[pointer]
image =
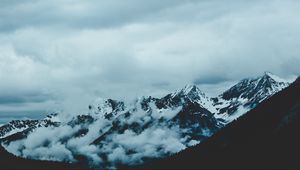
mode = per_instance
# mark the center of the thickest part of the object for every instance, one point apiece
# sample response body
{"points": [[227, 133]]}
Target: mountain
{"points": [[113, 132], [160, 127], [190, 93], [19, 129], [182, 108], [9, 161], [246, 95], [17, 126], [267, 137]]}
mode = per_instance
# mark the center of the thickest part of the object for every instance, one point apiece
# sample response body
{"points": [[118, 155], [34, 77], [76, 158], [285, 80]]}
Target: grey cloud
{"points": [[211, 80], [27, 98], [18, 114], [161, 84], [78, 14], [76, 51], [7, 116]]}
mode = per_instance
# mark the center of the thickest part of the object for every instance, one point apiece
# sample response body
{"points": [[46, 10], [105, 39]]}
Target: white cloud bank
{"points": [[159, 138]]}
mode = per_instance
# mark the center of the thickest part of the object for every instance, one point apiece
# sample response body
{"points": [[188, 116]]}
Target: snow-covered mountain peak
{"points": [[251, 87], [102, 106], [185, 96], [106, 108], [246, 94], [270, 83], [275, 78], [190, 91]]}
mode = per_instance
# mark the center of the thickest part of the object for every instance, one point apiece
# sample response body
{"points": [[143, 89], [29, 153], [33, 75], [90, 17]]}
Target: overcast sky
{"points": [[62, 54]]}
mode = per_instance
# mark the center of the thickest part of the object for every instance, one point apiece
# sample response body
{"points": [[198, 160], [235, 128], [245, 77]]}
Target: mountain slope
{"points": [[266, 137], [246, 95], [9, 161], [19, 126], [16, 126]]}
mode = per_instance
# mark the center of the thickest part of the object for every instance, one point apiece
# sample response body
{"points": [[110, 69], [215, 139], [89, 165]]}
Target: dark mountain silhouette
{"points": [[266, 137], [11, 162]]}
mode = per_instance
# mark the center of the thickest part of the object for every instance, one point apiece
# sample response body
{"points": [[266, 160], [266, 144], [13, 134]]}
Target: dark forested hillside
{"points": [[9, 161], [266, 137]]}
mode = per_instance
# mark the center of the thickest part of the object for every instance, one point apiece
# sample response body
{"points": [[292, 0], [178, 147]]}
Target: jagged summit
{"points": [[190, 91], [187, 95], [106, 107], [256, 87], [246, 94], [274, 77]]}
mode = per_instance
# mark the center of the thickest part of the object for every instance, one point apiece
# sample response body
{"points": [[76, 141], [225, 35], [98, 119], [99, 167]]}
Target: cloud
{"points": [[78, 14], [155, 138], [150, 143], [56, 152], [75, 52], [45, 144], [24, 99]]}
